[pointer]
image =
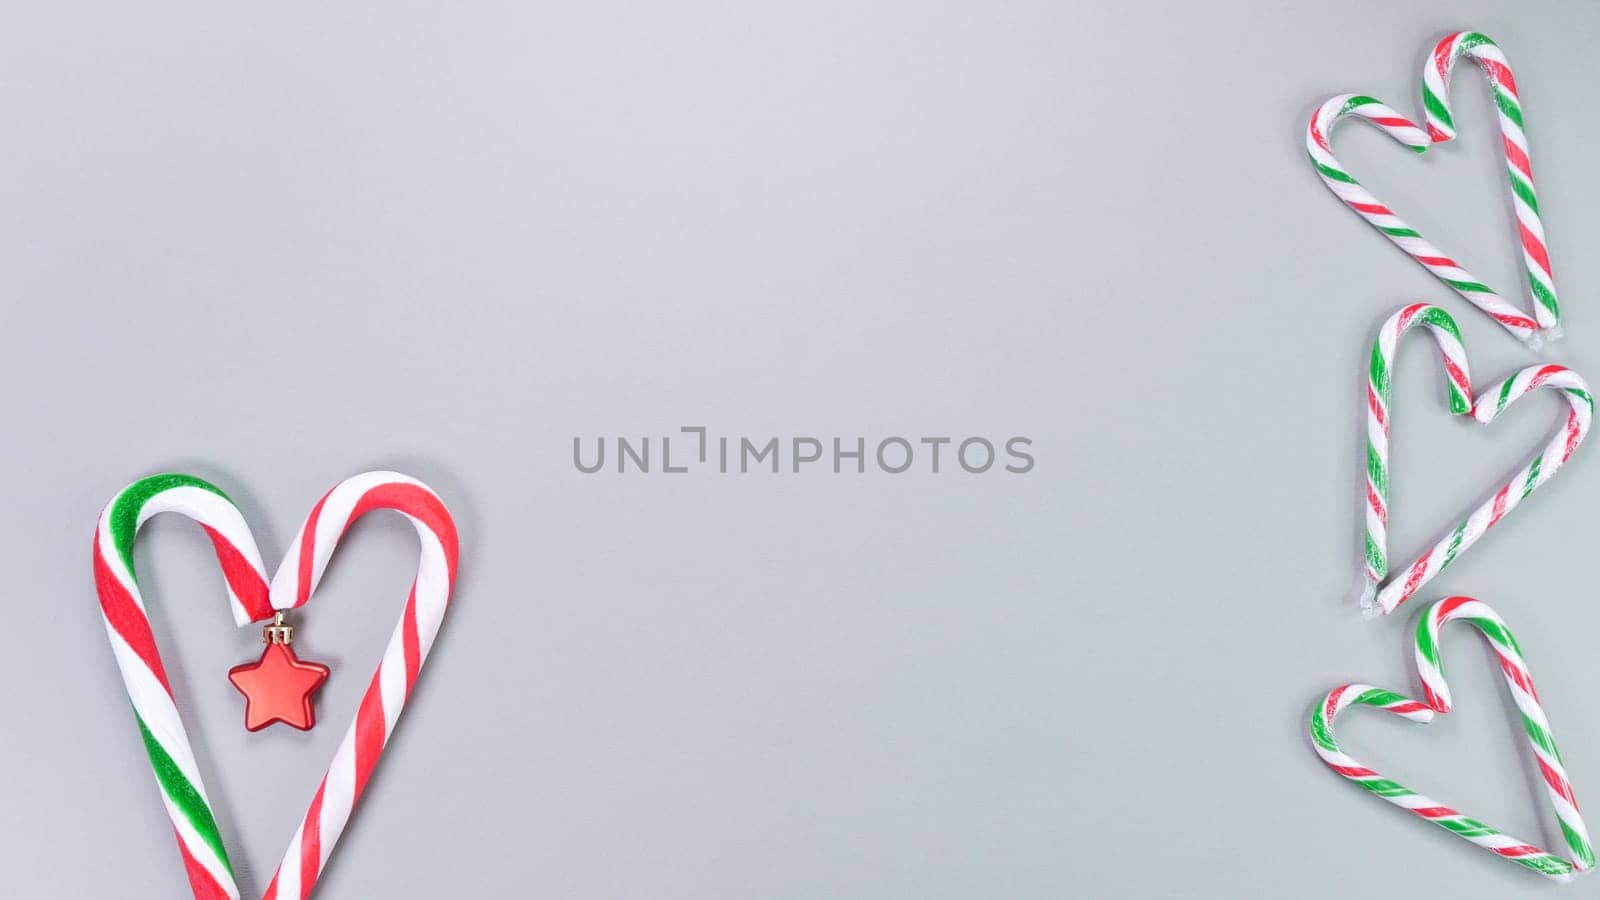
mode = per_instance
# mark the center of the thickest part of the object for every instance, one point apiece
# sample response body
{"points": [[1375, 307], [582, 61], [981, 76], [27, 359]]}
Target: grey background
{"points": [[278, 246]]}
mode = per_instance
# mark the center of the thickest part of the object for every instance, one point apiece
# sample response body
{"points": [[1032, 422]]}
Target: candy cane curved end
{"points": [[1496, 399], [1369, 109], [1481, 50], [313, 546], [1341, 698], [244, 575]]}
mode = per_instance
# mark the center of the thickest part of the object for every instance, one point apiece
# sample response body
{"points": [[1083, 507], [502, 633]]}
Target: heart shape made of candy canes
{"points": [[1380, 597], [1546, 318], [252, 599], [1436, 694]]}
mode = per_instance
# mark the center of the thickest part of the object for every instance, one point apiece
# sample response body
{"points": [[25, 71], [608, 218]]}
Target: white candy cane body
{"points": [[1442, 328], [1535, 726], [363, 743], [1539, 469], [133, 643]]}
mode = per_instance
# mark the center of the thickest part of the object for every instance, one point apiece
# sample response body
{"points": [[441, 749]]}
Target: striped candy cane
{"points": [[1519, 170], [132, 641], [1345, 186], [1445, 333], [1536, 472], [397, 673], [1535, 724]]}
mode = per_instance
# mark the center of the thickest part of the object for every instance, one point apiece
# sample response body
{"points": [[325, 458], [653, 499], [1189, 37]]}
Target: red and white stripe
{"points": [[397, 673]]}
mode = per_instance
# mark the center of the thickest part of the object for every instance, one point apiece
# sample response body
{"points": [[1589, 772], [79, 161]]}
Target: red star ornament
{"points": [[278, 688]]}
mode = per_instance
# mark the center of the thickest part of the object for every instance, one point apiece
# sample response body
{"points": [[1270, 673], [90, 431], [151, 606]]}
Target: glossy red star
{"points": [[278, 688]]}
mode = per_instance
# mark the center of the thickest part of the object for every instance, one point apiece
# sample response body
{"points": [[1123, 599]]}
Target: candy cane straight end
{"points": [[1368, 602]]}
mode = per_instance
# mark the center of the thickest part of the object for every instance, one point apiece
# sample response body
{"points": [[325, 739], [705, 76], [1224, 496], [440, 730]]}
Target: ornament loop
{"points": [[277, 632]]}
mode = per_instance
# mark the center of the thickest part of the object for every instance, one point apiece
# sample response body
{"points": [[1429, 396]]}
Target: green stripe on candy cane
{"points": [[183, 794], [124, 510]]}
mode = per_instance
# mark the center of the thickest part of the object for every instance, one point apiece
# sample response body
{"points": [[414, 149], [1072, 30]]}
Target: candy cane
{"points": [[1441, 128], [408, 648], [1534, 721], [1536, 472], [132, 641], [1445, 333], [1535, 724], [1435, 84]]}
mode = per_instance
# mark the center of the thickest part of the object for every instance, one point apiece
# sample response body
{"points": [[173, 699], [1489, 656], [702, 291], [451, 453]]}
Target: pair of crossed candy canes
{"points": [[1546, 318], [1436, 699], [1380, 597], [252, 599]]}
